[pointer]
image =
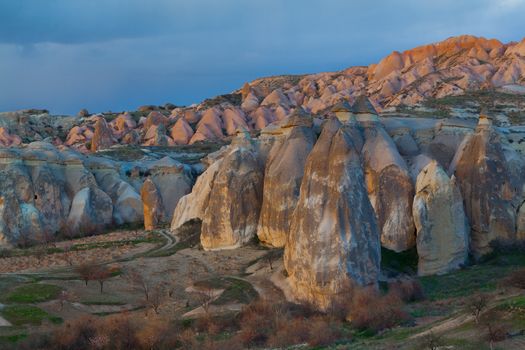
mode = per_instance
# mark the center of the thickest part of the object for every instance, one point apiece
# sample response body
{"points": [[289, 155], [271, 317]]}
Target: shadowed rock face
{"points": [[491, 186], [334, 237], [91, 210], [232, 214], [193, 205], [442, 230], [390, 189], [282, 181]]}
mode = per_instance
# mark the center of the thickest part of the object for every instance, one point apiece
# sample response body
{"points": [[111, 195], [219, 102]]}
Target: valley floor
{"points": [[41, 287]]}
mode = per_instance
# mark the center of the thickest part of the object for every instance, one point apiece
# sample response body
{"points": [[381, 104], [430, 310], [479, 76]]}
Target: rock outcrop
{"points": [[491, 184], [153, 208], [442, 229], [91, 211], [102, 137], [282, 179], [389, 187], [232, 214], [334, 238], [173, 181]]}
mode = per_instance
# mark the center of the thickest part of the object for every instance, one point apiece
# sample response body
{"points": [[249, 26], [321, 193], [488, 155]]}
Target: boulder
{"points": [[181, 132], [102, 137], [334, 239], [441, 224], [155, 118], [282, 181], [250, 103], [234, 119], [156, 136], [152, 202], [7, 140]]}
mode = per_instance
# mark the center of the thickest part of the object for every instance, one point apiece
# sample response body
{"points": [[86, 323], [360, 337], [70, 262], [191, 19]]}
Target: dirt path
{"points": [[170, 240]]}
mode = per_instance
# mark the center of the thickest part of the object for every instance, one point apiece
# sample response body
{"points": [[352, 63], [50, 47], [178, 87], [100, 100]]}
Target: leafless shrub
{"points": [[432, 341], [101, 274], [373, 311], [409, 290], [139, 281], [86, 271], [496, 332], [477, 304]]}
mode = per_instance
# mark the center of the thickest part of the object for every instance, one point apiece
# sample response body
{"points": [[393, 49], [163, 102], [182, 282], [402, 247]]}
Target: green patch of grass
{"points": [[483, 277], [103, 314], [461, 283], [238, 291], [426, 310], [12, 338], [27, 314], [9, 282], [33, 293], [515, 303], [466, 344], [235, 290]]}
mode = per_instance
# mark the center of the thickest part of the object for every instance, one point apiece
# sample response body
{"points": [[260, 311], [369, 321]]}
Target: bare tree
{"points": [[139, 281], [476, 304], [101, 274], [495, 333], [157, 297], [207, 295], [86, 271], [68, 253], [273, 256], [432, 341]]}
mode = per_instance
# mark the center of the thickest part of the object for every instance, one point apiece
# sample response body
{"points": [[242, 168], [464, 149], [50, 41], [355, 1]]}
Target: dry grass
{"points": [[372, 311]]}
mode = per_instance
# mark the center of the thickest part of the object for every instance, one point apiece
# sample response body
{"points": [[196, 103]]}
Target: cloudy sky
{"points": [[103, 55]]}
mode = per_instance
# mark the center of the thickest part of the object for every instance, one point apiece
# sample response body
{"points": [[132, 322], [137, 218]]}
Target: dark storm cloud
{"points": [[118, 54]]}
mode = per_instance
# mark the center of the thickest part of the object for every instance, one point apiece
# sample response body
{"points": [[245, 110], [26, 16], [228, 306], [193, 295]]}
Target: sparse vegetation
{"points": [[477, 304], [26, 314], [34, 293]]}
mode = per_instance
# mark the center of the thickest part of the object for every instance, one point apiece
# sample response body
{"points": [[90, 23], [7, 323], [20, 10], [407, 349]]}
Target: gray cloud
{"points": [[118, 54]]}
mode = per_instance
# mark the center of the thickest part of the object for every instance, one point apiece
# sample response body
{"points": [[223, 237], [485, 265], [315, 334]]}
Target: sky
{"points": [[115, 55]]}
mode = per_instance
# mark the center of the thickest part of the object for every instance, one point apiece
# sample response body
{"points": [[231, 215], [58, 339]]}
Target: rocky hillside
{"points": [[334, 167], [449, 78]]}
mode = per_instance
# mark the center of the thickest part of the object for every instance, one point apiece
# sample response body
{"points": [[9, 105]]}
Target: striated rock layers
{"points": [[47, 191], [491, 180], [227, 197], [442, 230], [91, 210], [390, 188], [334, 237], [233, 209], [282, 179]]}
